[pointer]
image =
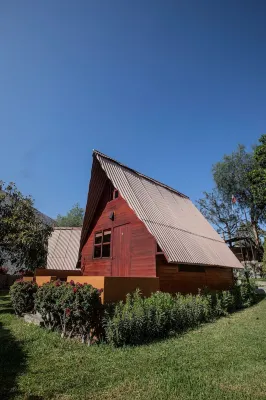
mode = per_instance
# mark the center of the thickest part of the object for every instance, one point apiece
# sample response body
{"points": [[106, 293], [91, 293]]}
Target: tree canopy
{"points": [[258, 177], [23, 234], [241, 177], [232, 178], [218, 210], [74, 217]]}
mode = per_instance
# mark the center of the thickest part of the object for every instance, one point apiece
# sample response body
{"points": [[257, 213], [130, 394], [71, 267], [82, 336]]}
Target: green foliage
{"points": [[74, 309], [237, 175], [264, 259], [231, 176], [22, 296], [258, 177], [74, 217], [141, 320], [23, 234]]}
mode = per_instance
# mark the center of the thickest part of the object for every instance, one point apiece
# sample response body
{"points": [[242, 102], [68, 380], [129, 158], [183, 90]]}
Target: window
{"points": [[115, 194], [102, 244], [191, 268]]}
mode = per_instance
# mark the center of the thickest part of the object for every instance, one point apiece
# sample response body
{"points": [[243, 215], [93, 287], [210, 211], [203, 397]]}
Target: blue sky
{"points": [[166, 87]]}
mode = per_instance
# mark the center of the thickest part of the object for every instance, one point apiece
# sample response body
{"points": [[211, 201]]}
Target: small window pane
{"points": [[116, 194], [97, 252], [106, 250], [98, 238], [191, 268], [107, 236]]}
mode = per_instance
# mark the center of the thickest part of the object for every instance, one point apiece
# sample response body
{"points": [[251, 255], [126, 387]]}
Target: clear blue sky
{"points": [[166, 87]]}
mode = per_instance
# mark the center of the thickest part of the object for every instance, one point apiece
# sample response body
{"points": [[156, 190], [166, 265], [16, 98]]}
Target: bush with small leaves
{"points": [[22, 296], [141, 320]]}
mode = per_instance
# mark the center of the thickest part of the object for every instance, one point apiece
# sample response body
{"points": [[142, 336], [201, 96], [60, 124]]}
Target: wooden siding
{"points": [[140, 260], [172, 280], [219, 278], [59, 273], [121, 250]]}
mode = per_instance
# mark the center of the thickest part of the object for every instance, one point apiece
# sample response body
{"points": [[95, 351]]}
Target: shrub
{"points": [[140, 320], [22, 296], [74, 309]]}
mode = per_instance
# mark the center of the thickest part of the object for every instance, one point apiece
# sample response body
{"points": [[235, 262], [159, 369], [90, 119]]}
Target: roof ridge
{"points": [[96, 152]]}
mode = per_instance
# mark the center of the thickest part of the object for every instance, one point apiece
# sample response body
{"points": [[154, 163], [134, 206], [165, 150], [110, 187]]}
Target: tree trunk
{"points": [[255, 231], [229, 236], [254, 225]]}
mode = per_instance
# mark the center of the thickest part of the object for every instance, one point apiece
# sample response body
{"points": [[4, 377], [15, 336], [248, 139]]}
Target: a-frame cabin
{"points": [[135, 226]]}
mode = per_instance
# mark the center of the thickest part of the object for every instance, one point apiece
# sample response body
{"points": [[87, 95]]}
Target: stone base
{"points": [[35, 319]]}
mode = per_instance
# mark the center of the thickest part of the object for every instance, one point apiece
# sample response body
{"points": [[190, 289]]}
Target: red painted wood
{"points": [[121, 250], [172, 280], [141, 244]]}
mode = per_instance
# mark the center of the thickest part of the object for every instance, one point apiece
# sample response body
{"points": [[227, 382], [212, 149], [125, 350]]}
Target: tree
{"points": [[220, 213], [74, 217], [258, 177], [232, 178], [264, 259], [23, 234]]}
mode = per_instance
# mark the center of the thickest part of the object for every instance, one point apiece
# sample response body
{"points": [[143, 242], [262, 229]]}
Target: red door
{"points": [[121, 251]]}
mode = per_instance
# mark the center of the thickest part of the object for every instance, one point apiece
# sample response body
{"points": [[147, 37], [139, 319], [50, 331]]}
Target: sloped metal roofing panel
{"points": [[63, 248], [179, 228], [96, 187]]}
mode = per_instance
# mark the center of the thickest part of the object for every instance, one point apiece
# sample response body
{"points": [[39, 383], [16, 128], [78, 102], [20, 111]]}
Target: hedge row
{"points": [[141, 320], [76, 310]]}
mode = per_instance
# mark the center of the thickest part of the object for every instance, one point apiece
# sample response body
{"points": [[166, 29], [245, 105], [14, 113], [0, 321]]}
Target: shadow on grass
{"points": [[12, 363], [5, 303], [12, 357]]}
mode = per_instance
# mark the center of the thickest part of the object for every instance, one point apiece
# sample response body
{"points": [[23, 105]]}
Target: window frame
{"points": [[100, 245], [158, 250], [115, 192], [190, 268]]}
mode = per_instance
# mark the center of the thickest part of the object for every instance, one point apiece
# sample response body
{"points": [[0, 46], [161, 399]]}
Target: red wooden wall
{"points": [[139, 258], [173, 280]]}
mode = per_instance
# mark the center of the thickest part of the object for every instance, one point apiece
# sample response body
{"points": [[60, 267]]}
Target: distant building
{"points": [[63, 249], [245, 249]]}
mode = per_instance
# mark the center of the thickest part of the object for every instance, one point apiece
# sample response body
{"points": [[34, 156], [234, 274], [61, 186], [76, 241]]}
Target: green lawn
{"points": [[222, 360]]}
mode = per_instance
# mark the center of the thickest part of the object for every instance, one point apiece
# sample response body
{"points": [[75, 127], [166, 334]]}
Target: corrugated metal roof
{"points": [[63, 248], [179, 228], [96, 187]]}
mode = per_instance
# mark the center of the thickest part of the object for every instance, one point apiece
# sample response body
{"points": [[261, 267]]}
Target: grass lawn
{"points": [[261, 281], [222, 360]]}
